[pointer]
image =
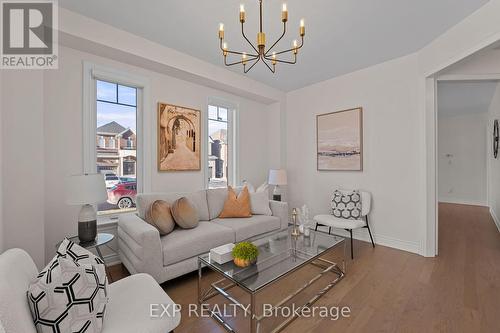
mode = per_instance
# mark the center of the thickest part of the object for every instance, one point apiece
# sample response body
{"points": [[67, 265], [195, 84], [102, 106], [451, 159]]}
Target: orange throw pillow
{"points": [[236, 206]]}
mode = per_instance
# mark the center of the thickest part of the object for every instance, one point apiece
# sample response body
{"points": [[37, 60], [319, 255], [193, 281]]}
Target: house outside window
{"points": [[221, 148]]}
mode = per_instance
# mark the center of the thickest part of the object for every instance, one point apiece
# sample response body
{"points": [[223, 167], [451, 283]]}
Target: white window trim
{"points": [[92, 72], [233, 137]]}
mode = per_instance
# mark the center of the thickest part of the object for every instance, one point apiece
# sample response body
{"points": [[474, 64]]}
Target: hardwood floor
{"points": [[389, 290]]}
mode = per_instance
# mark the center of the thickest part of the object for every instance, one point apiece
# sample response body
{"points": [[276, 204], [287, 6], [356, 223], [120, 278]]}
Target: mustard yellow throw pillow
{"points": [[236, 206]]}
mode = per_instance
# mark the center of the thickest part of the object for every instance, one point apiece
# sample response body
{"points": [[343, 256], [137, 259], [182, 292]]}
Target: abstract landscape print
{"points": [[340, 140], [178, 138]]}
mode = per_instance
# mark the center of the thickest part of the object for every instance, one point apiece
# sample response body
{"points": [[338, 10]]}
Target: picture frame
{"points": [[178, 138], [339, 140]]}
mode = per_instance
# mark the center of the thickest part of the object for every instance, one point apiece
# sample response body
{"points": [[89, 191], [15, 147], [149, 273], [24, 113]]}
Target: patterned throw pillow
{"points": [[70, 293], [346, 205]]}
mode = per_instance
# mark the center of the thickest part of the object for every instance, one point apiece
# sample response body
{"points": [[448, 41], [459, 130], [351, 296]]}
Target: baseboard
{"points": [[463, 202], [112, 259], [495, 218], [362, 235]]}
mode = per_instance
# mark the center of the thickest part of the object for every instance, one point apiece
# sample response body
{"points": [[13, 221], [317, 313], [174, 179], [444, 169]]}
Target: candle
{"points": [[224, 47], [284, 13], [302, 27], [221, 30], [295, 46], [242, 13]]}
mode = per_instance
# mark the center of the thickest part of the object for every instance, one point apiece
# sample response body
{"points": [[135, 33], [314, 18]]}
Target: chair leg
{"points": [[316, 229], [329, 230], [352, 253], [369, 231]]}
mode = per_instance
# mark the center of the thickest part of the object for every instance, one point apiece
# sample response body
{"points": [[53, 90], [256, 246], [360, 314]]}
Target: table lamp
{"points": [[86, 190], [277, 177]]}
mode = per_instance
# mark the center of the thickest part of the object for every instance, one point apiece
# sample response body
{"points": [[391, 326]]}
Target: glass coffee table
{"points": [[280, 256]]}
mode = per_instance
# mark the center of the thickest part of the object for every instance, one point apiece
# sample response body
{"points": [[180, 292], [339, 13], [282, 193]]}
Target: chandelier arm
{"points": [[284, 61], [249, 68], [282, 35], [238, 62], [244, 36], [267, 65], [236, 52], [293, 48]]}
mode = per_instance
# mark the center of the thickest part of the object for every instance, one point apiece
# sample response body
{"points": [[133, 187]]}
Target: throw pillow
{"points": [[184, 214], [260, 203], [346, 205], [236, 206], [160, 217], [70, 294]]}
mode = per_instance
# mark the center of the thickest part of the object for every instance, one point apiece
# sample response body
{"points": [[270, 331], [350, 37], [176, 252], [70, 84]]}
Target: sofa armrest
{"points": [[280, 209], [139, 242]]}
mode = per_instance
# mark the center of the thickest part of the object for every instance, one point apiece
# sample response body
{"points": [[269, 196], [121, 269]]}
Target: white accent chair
{"points": [[128, 309], [347, 224]]}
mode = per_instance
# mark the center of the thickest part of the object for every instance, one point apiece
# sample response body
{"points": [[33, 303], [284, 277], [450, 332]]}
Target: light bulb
{"points": [[284, 8], [224, 46], [302, 23], [244, 56], [221, 27], [274, 55], [295, 43], [242, 8]]}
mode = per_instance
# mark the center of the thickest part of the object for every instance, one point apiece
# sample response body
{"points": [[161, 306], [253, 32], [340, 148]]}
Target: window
{"points": [[221, 161], [116, 126]]}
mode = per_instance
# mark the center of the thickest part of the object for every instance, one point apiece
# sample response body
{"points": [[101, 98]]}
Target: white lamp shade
{"points": [[86, 189], [277, 177]]}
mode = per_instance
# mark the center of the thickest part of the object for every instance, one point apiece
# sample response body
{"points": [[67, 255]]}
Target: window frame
{"points": [[93, 72], [233, 139]]}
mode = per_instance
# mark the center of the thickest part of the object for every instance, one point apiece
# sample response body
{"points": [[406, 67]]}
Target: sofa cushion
{"points": [[198, 199], [236, 205], [182, 244], [129, 307], [216, 198], [160, 217], [250, 227], [185, 215]]}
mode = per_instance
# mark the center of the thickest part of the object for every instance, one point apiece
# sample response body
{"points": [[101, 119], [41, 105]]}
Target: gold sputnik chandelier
{"points": [[269, 57]]}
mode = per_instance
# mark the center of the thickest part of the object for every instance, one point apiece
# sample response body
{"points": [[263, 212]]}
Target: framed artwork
{"points": [[179, 136], [339, 140]]}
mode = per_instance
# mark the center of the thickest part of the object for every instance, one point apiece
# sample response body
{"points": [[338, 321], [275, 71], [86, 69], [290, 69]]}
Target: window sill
{"points": [[105, 221]]}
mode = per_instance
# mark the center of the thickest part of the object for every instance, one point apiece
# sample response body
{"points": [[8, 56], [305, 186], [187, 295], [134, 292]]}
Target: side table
{"points": [[102, 239]]}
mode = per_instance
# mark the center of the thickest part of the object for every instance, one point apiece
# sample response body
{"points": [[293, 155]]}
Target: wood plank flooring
{"points": [[389, 290]]}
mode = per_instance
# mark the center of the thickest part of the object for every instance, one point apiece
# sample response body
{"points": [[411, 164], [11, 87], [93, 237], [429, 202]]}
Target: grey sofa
{"points": [[142, 250]]}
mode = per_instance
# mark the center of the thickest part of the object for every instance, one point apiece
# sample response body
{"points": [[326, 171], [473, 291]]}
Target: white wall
{"points": [[494, 164], [1, 163], [23, 161], [63, 134], [462, 177], [388, 95]]}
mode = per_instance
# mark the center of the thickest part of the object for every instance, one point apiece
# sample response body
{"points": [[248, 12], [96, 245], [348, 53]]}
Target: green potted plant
{"points": [[245, 254]]}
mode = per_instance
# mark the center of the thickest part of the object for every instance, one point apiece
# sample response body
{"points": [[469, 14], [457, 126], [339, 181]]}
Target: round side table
{"points": [[102, 239]]}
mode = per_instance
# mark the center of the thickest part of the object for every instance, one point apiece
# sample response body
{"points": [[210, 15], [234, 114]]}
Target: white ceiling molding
{"points": [[342, 36], [85, 34]]}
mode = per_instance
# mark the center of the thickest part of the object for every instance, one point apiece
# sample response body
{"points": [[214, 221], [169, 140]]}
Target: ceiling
{"points": [[341, 37], [459, 97]]}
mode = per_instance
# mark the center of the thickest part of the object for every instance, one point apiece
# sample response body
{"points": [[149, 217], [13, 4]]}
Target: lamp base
{"points": [[277, 193], [87, 224], [87, 231]]}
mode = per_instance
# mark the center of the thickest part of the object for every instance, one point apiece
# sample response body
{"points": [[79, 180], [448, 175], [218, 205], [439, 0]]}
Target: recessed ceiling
{"points": [[459, 97], [342, 36]]}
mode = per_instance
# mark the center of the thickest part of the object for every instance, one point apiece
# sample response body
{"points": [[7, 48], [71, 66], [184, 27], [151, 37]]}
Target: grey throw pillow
{"points": [[346, 205]]}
